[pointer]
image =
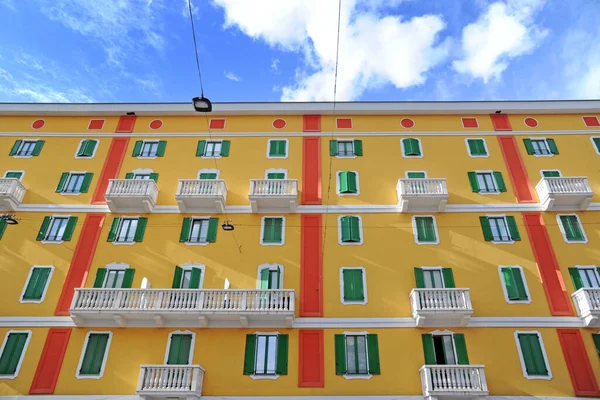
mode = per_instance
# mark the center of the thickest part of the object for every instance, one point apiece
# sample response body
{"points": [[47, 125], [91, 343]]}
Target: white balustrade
{"points": [[453, 380], [563, 193], [440, 299], [273, 187], [131, 187], [565, 185], [12, 192], [170, 379], [423, 186], [202, 187], [587, 305]]}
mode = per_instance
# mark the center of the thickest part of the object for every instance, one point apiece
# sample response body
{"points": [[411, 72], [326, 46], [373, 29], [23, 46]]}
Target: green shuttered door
{"points": [[94, 354], [179, 351], [533, 357], [353, 285]]}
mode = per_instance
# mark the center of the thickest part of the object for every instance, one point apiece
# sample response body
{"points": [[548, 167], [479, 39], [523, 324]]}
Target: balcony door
{"points": [[180, 346], [445, 349]]}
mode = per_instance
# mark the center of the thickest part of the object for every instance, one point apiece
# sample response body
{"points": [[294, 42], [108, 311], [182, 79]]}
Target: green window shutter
{"points": [[448, 278], [162, 146], [340, 354], [419, 278], [81, 150], [529, 146], [100, 274], [14, 174], [129, 175], [461, 349], [275, 175], [15, 148], [2, 227], [373, 354], [499, 181], [532, 354], [272, 230], [346, 230], [358, 148], [213, 226], [128, 278], [13, 350], [154, 177], [472, 146], [353, 285], [418, 175], [177, 278], [576, 278], [486, 228], [268, 230], [476, 147], [184, 236], [474, 182], [354, 229], [552, 146], [250, 354], [343, 178], [425, 229], [411, 147], [282, 355], [68, 234], [37, 149], [520, 283], [597, 143], [37, 284], [352, 186], [114, 228], [278, 230], [137, 148], [179, 350], [596, 337], [62, 182], [201, 147], [141, 228], [550, 174], [44, 228], [89, 148], [225, 145], [333, 148], [264, 278], [510, 284], [571, 227], [428, 349], [195, 278], [87, 180], [208, 175], [273, 147], [94, 354], [512, 228]]}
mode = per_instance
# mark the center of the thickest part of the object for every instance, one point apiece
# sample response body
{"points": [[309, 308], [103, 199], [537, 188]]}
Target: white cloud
{"points": [[504, 31], [8, 4], [374, 51], [275, 64], [232, 77], [581, 63]]}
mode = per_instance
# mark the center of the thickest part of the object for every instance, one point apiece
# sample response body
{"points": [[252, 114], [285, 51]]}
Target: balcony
{"points": [[456, 381], [560, 193], [587, 304], [11, 193], [416, 194], [183, 307], [273, 195], [131, 195], [441, 307], [170, 381], [201, 195]]}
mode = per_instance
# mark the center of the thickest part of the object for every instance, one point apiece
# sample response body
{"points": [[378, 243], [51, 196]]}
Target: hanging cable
{"points": [[196, 47]]}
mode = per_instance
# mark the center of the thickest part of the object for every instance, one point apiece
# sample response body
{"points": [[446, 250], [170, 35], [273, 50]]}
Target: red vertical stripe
{"points": [[311, 295], [311, 171], [126, 124], [48, 369], [552, 280], [500, 122], [311, 359], [311, 123], [111, 168], [516, 170], [81, 261], [578, 363]]}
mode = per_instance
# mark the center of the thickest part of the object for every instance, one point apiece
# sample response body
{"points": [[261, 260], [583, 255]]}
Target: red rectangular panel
{"points": [[96, 124], [48, 369], [552, 280], [311, 359], [111, 168], [578, 363], [311, 123], [81, 261], [591, 121], [311, 171], [126, 124], [516, 170], [500, 122], [470, 123], [344, 123], [217, 123], [311, 295]]}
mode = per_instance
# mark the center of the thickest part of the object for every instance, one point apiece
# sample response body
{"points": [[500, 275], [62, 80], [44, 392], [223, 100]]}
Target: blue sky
{"points": [[272, 50]]}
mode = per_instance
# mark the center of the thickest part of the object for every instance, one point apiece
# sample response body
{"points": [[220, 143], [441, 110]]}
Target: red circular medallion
{"points": [[407, 123], [279, 123], [156, 124], [531, 122], [38, 123]]}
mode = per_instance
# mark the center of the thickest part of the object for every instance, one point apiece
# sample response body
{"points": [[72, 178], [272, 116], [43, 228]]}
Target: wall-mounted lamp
{"points": [[227, 225], [202, 104], [10, 219], [499, 112]]}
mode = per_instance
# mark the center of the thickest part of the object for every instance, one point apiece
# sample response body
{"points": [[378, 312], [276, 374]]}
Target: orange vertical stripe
{"points": [[111, 168], [311, 171], [311, 359], [311, 265], [578, 363], [48, 369], [311, 123], [516, 170], [552, 280], [81, 261], [500, 122], [126, 124]]}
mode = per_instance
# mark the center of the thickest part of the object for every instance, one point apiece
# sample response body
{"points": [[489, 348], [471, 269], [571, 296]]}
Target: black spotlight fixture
{"points": [[131, 114], [499, 112], [202, 104], [227, 225], [10, 219]]}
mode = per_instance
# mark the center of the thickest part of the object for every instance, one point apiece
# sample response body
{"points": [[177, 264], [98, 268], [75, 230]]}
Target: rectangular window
{"points": [[13, 351], [86, 149], [213, 148], [551, 173], [571, 228], [14, 174], [27, 148], [499, 228], [127, 230], [434, 278], [270, 278], [207, 175], [277, 148], [533, 359], [425, 230], [347, 182], [345, 148], [187, 278], [350, 230], [357, 354], [143, 176], [416, 175], [585, 277], [266, 355], [149, 148], [477, 147], [275, 175], [445, 349], [487, 182], [179, 350], [199, 230], [272, 230], [114, 278], [353, 285], [35, 287], [540, 146], [74, 182], [514, 284], [94, 355], [411, 147], [57, 229]]}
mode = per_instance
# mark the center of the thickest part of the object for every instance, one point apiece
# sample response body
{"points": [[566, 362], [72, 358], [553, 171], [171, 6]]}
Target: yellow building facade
{"points": [[281, 250]]}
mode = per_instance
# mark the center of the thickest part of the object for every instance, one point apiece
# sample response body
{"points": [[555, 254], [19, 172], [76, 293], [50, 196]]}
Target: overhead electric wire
{"points": [[196, 47]]}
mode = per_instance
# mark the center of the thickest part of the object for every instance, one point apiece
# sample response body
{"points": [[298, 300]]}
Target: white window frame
{"points": [[85, 343], [357, 376], [592, 267], [360, 228], [20, 363], [416, 234], [206, 146], [262, 230], [564, 233], [24, 301], [364, 277], [190, 266], [434, 268], [337, 183], [21, 146], [420, 147], [142, 171], [550, 170], [208, 171], [503, 216], [192, 345], [411, 171], [487, 151], [141, 157], [287, 149], [270, 267], [121, 218], [93, 154], [276, 171], [197, 218], [16, 170], [265, 376], [497, 191], [503, 284], [71, 173], [547, 147], [59, 241], [525, 374], [345, 139]]}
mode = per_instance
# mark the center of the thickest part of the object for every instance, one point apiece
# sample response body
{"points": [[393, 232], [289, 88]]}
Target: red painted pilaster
{"points": [[516, 170], [111, 168], [311, 358], [126, 124], [578, 363], [311, 171], [500, 122], [48, 369], [311, 265]]}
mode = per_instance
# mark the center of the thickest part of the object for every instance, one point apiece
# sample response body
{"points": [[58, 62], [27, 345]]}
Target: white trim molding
{"points": [[360, 228], [22, 357], [525, 374], [337, 184], [487, 151], [503, 284], [180, 332], [287, 148], [21, 299], [420, 147], [564, 233], [365, 299], [106, 351], [416, 233], [262, 231]]}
